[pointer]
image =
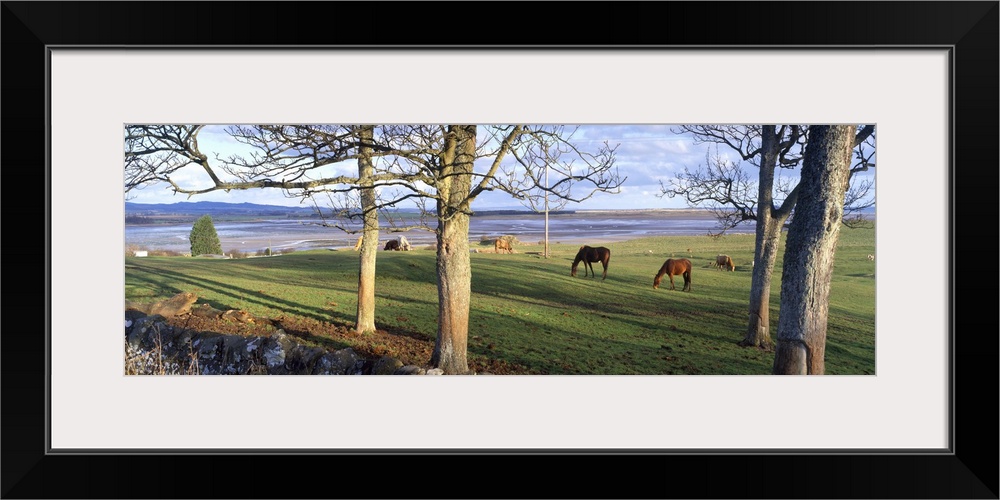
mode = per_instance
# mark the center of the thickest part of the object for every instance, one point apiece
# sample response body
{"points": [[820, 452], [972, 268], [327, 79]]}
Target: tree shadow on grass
{"points": [[238, 294]]}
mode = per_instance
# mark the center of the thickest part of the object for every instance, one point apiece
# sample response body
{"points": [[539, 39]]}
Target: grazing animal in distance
{"points": [[871, 257], [671, 268], [591, 254], [357, 246], [502, 243], [724, 261], [398, 244]]}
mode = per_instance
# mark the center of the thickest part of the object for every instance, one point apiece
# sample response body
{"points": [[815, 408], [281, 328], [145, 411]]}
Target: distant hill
{"points": [[222, 208], [213, 208], [519, 212]]}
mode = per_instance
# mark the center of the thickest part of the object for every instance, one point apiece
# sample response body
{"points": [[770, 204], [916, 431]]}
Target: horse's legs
{"points": [[591, 266], [605, 271], [671, 276]]}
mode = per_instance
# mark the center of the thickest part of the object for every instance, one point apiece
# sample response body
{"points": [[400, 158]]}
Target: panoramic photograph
{"points": [[499, 249]]}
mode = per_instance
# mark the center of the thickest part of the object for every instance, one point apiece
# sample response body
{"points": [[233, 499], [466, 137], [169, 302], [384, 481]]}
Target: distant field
{"points": [[528, 310]]}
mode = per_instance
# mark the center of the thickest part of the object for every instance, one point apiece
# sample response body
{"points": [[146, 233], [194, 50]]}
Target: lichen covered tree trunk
{"points": [[809, 252], [454, 272], [369, 237]]}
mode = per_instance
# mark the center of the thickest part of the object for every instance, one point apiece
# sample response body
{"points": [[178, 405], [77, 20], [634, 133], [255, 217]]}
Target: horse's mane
{"points": [[663, 270]]}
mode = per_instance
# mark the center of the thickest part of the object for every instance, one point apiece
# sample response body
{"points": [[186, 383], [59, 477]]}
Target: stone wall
{"points": [[153, 346]]}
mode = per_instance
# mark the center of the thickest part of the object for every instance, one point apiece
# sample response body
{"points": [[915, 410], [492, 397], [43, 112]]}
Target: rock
{"points": [[238, 316], [131, 315], [342, 362], [274, 351], [182, 342], [386, 366], [410, 370], [241, 354], [174, 306], [206, 311], [146, 331], [300, 359], [210, 350], [155, 341], [135, 331]]}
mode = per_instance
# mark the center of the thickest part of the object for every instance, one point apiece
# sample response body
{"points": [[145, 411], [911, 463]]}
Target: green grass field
{"points": [[529, 311]]}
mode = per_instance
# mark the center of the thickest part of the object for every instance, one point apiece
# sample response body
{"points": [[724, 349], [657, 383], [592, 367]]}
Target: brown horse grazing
{"points": [[674, 267], [392, 245], [591, 254]]}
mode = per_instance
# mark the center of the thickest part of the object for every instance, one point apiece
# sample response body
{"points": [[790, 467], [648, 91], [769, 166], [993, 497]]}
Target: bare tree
{"points": [[155, 152], [539, 201], [735, 196], [720, 185], [446, 164], [529, 180], [452, 172], [857, 199], [810, 249]]}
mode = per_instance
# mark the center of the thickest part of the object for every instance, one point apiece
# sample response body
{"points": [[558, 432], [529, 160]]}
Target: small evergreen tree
{"points": [[203, 237]]}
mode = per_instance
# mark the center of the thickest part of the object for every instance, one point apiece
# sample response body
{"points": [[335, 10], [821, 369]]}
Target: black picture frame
{"points": [[969, 471]]}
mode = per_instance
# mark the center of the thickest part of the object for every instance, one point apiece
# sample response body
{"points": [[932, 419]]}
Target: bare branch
{"points": [[537, 150], [722, 186], [743, 139], [863, 134]]}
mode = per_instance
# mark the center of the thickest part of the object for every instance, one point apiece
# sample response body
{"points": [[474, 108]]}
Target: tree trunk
{"points": [[767, 242], [369, 237], [454, 272], [768, 238], [809, 251]]}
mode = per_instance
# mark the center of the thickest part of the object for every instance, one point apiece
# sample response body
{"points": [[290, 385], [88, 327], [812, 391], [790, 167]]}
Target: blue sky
{"points": [[646, 154]]}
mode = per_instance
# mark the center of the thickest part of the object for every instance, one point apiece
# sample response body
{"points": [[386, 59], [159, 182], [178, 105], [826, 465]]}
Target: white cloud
{"points": [[646, 155]]}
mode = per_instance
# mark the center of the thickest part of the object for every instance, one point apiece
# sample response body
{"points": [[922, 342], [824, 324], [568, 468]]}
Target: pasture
{"points": [[529, 310]]}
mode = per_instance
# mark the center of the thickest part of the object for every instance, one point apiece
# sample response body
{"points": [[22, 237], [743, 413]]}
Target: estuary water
{"points": [[591, 226]]}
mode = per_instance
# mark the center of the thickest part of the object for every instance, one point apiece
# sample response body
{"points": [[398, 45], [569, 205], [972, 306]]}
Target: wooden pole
{"points": [[546, 211]]}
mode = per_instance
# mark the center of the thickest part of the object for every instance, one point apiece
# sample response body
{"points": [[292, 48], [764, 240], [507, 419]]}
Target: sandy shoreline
{"points": [[686, 213], [580, 227], [252, 244]]}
